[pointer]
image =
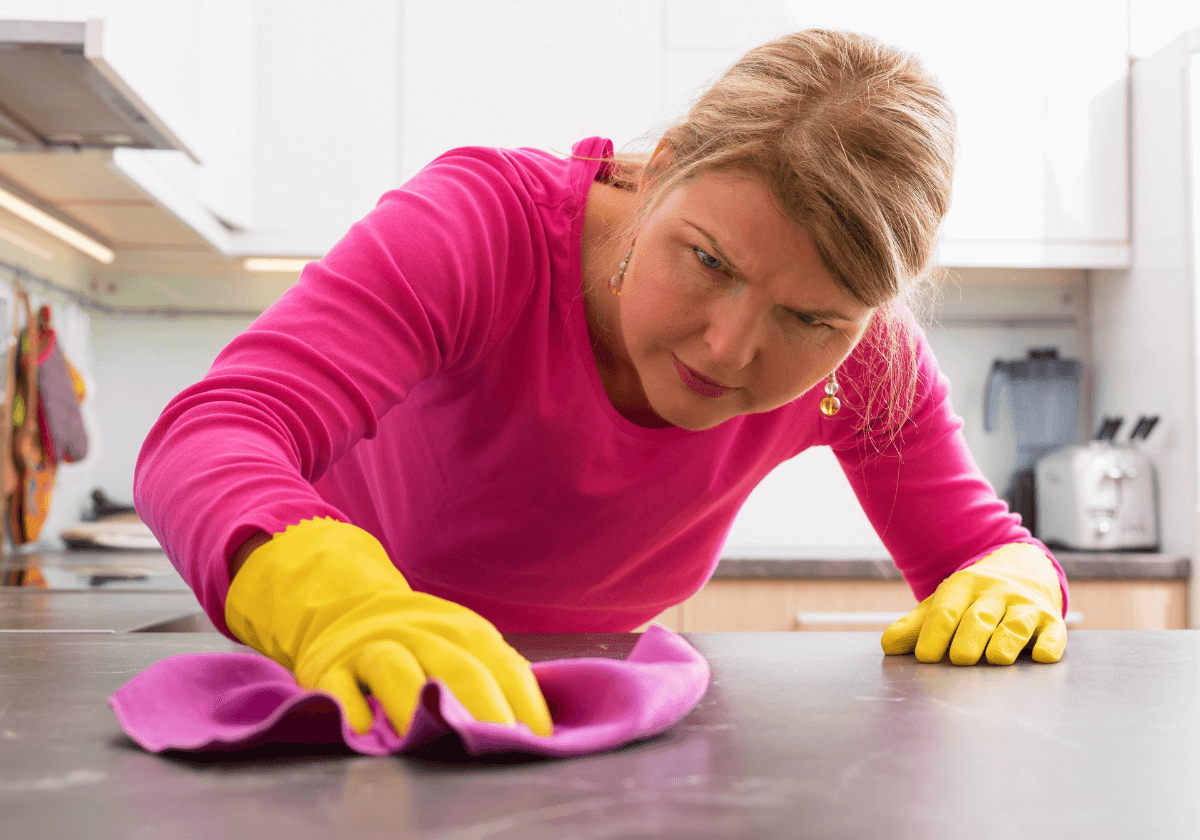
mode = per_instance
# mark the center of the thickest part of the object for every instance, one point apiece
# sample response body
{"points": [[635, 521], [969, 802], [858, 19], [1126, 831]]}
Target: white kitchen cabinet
{"points": [[302, 113], [531, 73], [328, 147], [205, 49], [1042, 108], [352, 105], [1040, 90]]}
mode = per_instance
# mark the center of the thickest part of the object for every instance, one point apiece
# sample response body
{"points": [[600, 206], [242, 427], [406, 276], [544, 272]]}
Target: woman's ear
{"points": [[659, 161]]}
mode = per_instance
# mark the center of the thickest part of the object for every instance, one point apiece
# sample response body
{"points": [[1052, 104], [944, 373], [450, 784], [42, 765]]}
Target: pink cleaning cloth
{"points": [[222, 702]]}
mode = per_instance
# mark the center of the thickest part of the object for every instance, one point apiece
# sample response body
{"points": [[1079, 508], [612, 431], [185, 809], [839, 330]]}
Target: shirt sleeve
{"points": [[920, 487], [414, 288]]}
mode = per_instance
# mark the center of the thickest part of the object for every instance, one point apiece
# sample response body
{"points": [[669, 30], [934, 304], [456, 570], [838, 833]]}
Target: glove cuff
{"points": [[292, 586]]}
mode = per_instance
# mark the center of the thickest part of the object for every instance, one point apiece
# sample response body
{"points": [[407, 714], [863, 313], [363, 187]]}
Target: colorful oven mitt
{"points": [[42, 399]]}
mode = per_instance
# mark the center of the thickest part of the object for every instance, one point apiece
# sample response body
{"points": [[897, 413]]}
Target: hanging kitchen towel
{"points": [[60, 392], [221, 702]]}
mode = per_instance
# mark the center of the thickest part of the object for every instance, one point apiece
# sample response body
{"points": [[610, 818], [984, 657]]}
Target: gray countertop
{"points": [[39, 611], [110, 571], [800, 735]]}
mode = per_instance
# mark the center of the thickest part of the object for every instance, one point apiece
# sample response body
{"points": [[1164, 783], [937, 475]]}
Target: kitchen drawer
{"points": [[773, 605], [1130, 604]]}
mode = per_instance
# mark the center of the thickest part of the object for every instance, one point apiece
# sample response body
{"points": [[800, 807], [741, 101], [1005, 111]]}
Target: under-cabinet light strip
{"points": [[54, 227], [294, 264]]}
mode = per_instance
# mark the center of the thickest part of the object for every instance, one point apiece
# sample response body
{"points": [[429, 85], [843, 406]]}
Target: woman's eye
{"points": [[707, 259], [808, 320]]}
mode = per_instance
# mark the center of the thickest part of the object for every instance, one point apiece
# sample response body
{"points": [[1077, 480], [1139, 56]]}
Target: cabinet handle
{"points": [[823, 619]]}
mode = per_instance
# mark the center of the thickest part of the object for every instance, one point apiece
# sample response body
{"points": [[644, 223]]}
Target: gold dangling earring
{"points": [[614, 282], [831, 404]]}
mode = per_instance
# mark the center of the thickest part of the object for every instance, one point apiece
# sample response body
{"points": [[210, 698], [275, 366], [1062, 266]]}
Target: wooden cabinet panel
{"points": [[773, 605], [1130, 604]]}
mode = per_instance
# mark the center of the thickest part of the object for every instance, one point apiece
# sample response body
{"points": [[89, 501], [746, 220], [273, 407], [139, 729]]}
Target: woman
{"points": [[531, 394]]}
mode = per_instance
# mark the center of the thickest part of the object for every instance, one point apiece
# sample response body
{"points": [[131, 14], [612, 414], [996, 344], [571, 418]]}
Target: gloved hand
{"points": [[1009, 597], [324, 600]]}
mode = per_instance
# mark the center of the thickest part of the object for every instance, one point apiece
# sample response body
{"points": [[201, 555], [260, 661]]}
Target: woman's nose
{"points": [[732, 335]]}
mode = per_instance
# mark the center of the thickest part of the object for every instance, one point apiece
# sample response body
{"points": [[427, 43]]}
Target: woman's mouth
{"points": [[699, 383]]}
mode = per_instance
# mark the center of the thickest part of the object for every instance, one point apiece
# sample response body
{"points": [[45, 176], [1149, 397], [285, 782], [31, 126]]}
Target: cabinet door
{"points": [[1042, 108], [199, 57], [773, 605], [327, 145], [528, 73], [1130, 604]]}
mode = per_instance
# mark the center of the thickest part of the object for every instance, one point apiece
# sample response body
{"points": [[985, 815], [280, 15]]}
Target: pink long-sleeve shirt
{"points": [[432, 381]]}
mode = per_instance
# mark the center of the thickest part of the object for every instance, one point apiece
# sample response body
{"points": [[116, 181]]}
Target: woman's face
{"points": [[726, 308]]}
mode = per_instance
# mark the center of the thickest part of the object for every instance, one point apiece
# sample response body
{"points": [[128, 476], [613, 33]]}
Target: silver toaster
{"points": [[1099, 495]]}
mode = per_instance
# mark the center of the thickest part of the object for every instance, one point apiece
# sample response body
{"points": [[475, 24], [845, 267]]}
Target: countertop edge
{"points": [[1077, 565]]}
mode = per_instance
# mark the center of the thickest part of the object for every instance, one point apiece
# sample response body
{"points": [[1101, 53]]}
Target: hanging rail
{"points": [[89, 303]]}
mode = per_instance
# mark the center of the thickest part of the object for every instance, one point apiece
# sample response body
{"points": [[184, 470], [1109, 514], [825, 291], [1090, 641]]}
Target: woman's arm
{"points": [[419, 286], [925, 495], [921, 488]]}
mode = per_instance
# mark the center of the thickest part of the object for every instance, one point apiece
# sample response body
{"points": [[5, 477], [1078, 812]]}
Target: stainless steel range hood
{"points": [[58, 92]]}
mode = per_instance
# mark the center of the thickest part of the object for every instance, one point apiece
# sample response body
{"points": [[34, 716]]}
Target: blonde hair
{"points": [[856, 142]]}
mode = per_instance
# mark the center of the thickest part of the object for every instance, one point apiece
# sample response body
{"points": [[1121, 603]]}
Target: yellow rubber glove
{"points": [[1000, 603], [324, 600]]}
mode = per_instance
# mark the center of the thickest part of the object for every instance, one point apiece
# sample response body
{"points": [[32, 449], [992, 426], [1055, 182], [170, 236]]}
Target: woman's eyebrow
{"points": [[716, 249], [819, 314]]}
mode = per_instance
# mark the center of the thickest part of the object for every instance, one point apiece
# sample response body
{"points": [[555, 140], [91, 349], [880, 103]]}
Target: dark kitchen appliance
{"points": [[1043, 399]]}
